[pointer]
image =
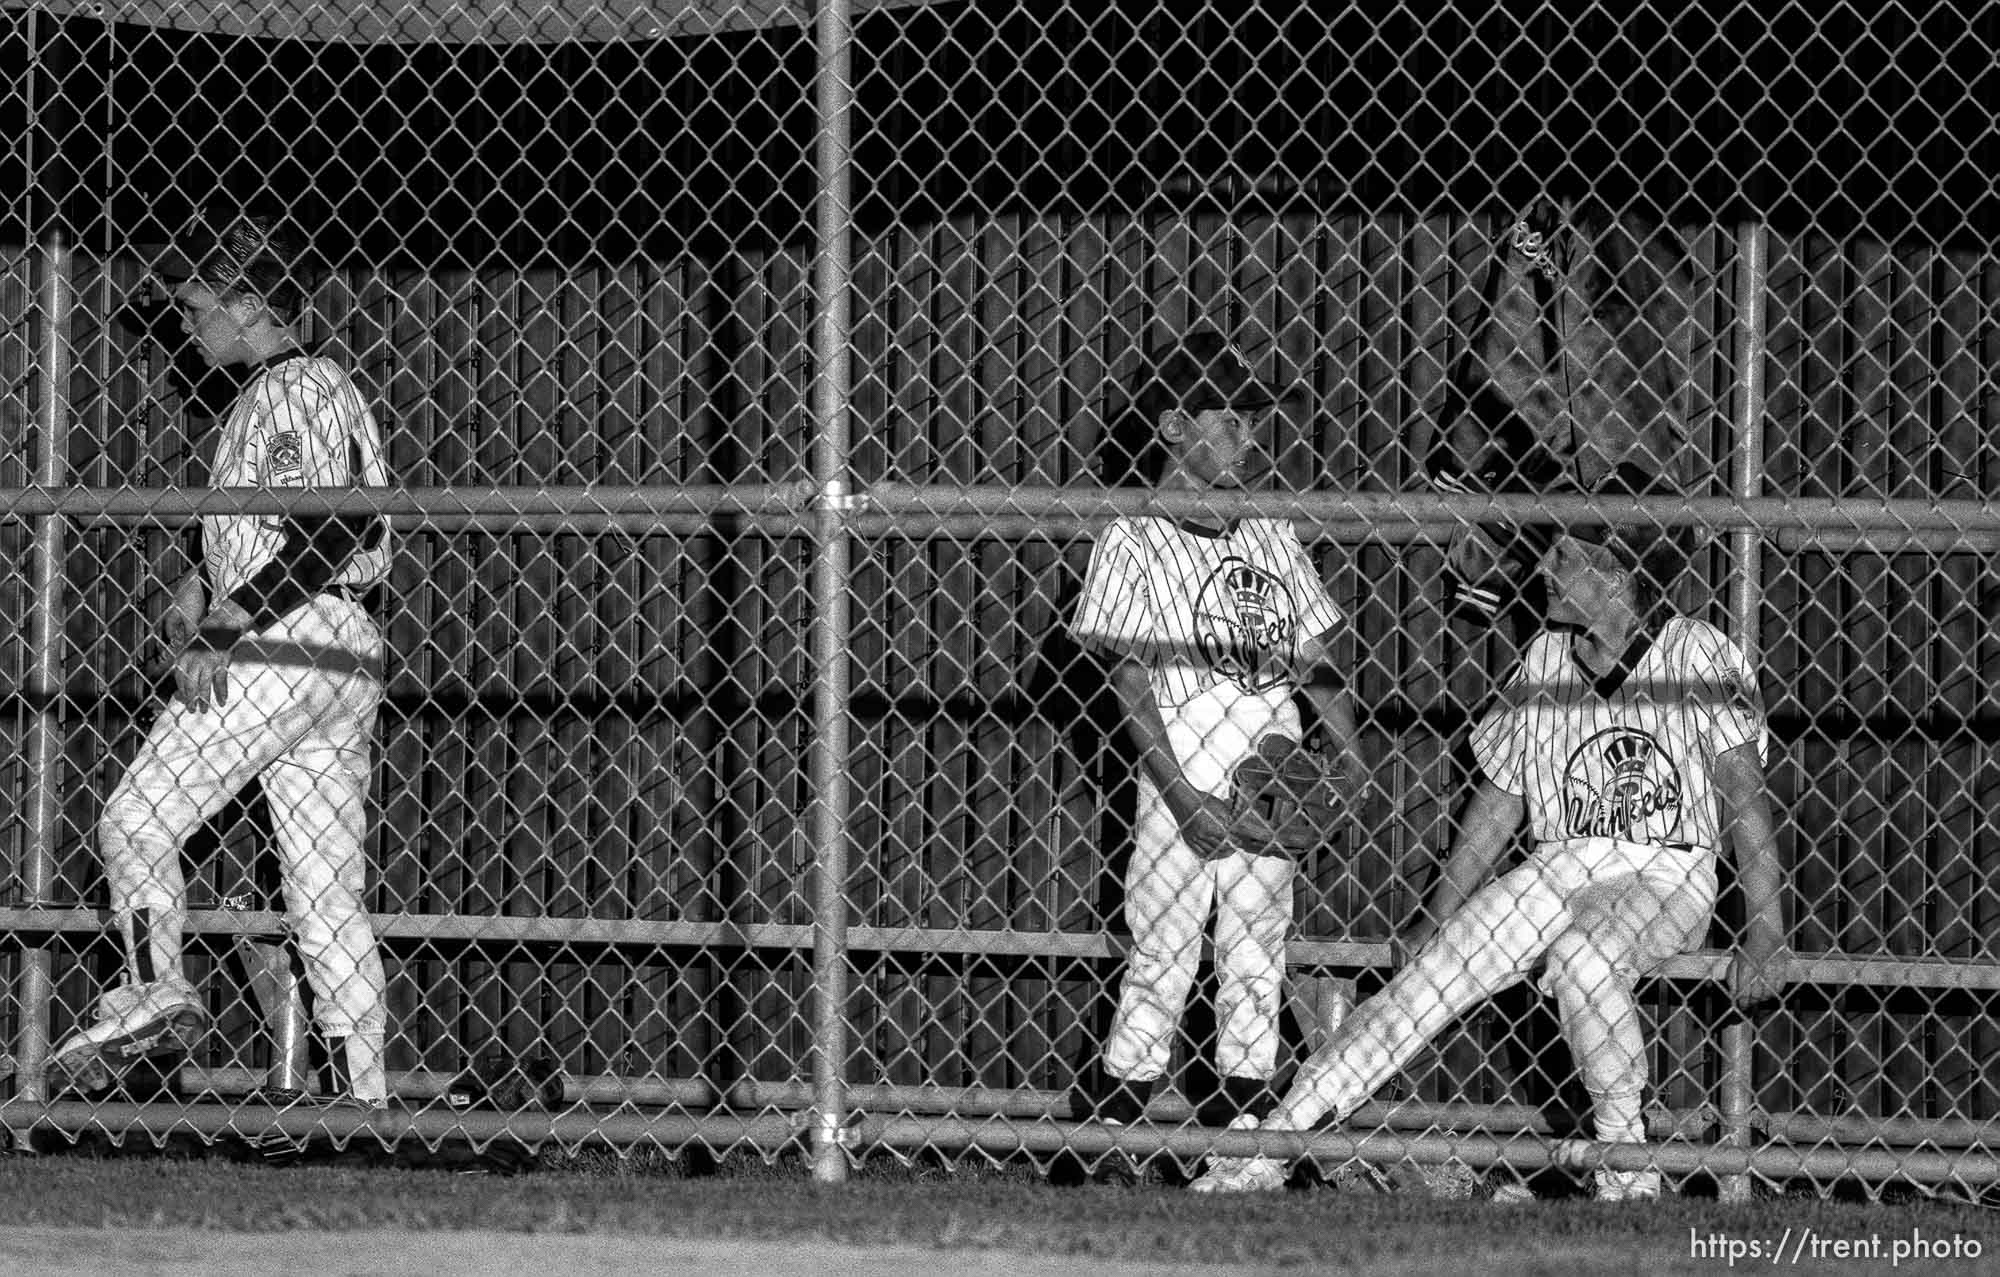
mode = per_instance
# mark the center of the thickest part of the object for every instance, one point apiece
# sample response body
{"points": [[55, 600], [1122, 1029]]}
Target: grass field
{"points": [[987, 1209]]}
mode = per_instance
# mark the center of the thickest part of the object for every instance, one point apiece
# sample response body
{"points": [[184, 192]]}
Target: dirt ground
{"points": [[117, 1252]]}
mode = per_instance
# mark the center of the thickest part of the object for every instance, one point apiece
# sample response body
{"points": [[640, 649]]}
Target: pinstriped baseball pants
{"points": [[1170, 892], [1599, 912], [303, 696]]}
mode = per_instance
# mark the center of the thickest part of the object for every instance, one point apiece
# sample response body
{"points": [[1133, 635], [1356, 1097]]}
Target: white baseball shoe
{"points": [[1628, 1186], [1608, 1185], [1241, 1174], [129, 1022]]}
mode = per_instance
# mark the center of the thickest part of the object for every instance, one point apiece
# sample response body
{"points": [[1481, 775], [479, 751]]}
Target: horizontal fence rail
{"points": [[914, 507]]}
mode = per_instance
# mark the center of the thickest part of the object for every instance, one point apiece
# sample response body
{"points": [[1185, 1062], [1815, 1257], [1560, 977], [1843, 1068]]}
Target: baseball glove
{"points": [[1295, 790]]}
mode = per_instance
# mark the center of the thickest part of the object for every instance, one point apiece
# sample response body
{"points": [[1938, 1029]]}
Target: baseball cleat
{"points": [[1116, 1169], [1608, 1185], [1645, 1189], [1241, 1174], [130, 1022], [280, 1149], [1628, 1186]]}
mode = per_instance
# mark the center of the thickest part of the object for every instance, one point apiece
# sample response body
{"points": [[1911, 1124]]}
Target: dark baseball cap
{"points": [[230, 251], [1204, 370]]}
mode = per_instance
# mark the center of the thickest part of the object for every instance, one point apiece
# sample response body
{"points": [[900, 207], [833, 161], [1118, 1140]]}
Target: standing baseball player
{"points": [[1632, 740], [1213, 630], [278, 673]]}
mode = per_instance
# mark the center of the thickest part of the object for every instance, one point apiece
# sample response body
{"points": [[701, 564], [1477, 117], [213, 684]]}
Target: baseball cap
{"points": [[234, 251], [1204, 370]]}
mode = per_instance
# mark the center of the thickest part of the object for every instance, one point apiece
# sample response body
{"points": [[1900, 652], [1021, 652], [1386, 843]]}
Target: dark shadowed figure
{"points": [[1577, 377]]}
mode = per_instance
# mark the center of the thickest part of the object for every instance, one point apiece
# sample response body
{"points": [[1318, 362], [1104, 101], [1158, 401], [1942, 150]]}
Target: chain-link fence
{"points": [[759, 395]]}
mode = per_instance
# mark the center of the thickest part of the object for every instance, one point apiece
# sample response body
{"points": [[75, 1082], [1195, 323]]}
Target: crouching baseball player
{"points": [[1213, 631], [279, 675], [1632, 739]]}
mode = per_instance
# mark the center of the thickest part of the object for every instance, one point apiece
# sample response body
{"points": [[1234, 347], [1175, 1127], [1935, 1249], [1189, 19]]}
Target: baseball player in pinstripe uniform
{"points": [[1632, 740], [279, 675], [1213, 631]]}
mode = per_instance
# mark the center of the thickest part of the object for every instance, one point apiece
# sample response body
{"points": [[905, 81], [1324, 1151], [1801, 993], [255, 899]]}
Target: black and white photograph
{"points": [[999, 636]]}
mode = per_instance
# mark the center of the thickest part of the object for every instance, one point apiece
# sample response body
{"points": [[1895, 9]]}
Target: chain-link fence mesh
{"points": [[1514, 278]]}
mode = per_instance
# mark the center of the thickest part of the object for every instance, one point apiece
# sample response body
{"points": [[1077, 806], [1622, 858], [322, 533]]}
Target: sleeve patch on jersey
{"points": [[1740, 698], [284, 455]]}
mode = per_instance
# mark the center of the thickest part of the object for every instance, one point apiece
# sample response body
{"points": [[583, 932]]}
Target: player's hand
{"points": [[202, 670], [1248, 829], [1407, 943], [1757, 974], [183, 615], [1207, 825], [202, 676]]}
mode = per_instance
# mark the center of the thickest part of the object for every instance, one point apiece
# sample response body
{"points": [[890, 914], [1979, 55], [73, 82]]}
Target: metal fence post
{"points": [[832, 273], [45, 669], [1746, 596]]}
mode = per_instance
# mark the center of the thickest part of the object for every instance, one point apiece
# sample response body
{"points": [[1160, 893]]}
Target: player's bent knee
{"points": [[129, 830], [142, 872], [1580, 967]]}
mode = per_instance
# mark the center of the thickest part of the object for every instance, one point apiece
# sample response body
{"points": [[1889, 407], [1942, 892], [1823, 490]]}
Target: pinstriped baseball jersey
{"points": [[1632, 758], [301, 423], [1206, 612]]}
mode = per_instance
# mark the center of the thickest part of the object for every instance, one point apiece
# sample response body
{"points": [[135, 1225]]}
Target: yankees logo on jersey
{"points": [[1621, 784], [1246, 624], [1630, 756], [1206, 610]]}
